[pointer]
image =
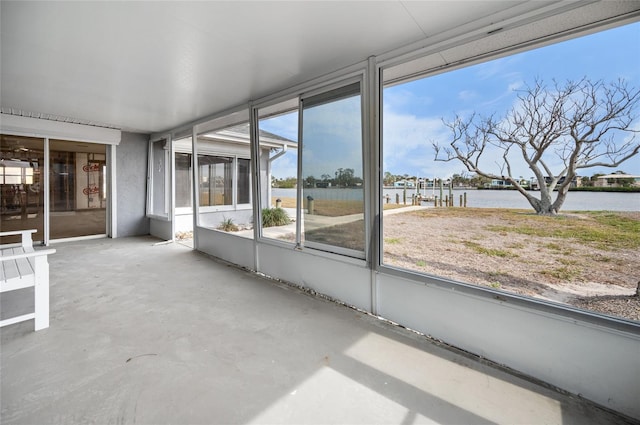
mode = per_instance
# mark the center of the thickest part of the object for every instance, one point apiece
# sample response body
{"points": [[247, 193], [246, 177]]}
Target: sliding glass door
{"points": [[332, 171], [78, 191], [21, 186]]}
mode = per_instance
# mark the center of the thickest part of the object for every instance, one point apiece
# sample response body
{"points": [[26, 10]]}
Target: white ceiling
{"points": [[152, 66]]}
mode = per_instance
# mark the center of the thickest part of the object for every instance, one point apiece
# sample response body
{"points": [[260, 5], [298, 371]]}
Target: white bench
{"points": [[23, 267]]}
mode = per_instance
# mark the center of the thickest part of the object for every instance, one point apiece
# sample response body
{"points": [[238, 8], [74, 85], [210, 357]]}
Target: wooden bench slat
{"points": [[31, 255], [21, 267], [10, 267], [25, 268], [17, 319]]}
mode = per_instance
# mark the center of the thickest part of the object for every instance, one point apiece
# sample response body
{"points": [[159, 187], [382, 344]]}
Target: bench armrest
{"points": [[26, 236], [27, 254]]}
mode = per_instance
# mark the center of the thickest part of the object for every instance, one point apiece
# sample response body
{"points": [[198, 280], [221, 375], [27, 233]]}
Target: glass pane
{"points": [[159, 173], [278, 171], [474, 211], [215, 179], [183, 175], [224, 180], [333, 192], [78, 195], [21, 186], [183, 180], [244, 181]]}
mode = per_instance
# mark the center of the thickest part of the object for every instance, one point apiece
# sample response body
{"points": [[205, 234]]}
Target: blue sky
{"points": [[413, 112]]}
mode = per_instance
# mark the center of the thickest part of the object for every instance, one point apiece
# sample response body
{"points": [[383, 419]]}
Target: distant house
{"points": [[404, 183], [500, 184], [575, 182], [224, 175], [616, 180]]}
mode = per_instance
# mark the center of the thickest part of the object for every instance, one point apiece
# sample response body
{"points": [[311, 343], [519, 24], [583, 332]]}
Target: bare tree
{"points": [[578, 125]]}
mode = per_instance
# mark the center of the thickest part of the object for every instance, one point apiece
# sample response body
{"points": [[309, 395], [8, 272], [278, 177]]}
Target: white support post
{"points": [[41, 292], [27, 241]]}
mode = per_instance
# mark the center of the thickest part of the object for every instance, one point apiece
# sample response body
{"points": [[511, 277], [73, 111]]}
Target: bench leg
{"points": [[41, 291]]}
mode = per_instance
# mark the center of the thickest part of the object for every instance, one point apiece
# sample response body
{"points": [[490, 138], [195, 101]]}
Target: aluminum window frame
{"points": [[411, 61], [319, 93], [166, 161]]}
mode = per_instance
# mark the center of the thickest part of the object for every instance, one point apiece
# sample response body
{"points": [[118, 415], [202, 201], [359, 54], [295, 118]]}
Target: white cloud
{"points": [[516, 85], [467, 95], [285, 166], [398, 98], [408, 149]]}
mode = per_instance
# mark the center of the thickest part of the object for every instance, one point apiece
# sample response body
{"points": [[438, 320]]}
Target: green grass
{"points": [[602, 258], [557, 248], [392, 241], [562, 273], [553, 246], [421, 263], [603, 230], [566, 262], [488, 251]]}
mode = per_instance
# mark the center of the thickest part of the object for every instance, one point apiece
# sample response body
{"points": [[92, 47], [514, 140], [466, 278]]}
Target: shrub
{"points": [[228, 225], [274, 217]]}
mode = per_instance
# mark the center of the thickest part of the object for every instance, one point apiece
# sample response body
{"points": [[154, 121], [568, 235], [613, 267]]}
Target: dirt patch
{"points": [[350, 235], [585, 260]]}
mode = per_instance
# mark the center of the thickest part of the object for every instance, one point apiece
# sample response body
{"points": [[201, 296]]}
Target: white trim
{"points": [[500, 39], [216, 208], [195, 187], [78, 238], [172, 183], [158, 217], [234, 206], [149, 207], [35, 127], [112, 199], [254, 181], [151, 212], [167, 181], [46, 185]]}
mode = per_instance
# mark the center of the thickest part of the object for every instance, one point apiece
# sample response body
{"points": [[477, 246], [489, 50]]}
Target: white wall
{"points": [[160, 228], [572, 351], [344, 279], [228, 247], [599, 362], [183, 222]]}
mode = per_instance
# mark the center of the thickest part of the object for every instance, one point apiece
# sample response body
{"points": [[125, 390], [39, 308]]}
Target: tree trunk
{"points": [[560, 198], [544, 205]]}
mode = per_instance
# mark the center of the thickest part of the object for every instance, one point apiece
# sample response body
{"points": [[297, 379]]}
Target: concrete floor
{"points": [[146, 333]]}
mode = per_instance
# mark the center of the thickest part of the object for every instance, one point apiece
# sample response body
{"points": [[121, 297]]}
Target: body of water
{"points": [[576, 201]]}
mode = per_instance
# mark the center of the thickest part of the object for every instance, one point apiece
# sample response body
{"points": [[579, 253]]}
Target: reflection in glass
{"points": [[21, 186], [478, 229], [244, 181], [278, 171], [78, 192], [224, 180], [333, 192], [159, 187], [183, 180], [215, 180]]}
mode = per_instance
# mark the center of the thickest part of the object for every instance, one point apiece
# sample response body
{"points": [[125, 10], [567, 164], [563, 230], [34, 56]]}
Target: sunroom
{"points": [[333, 96]]}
